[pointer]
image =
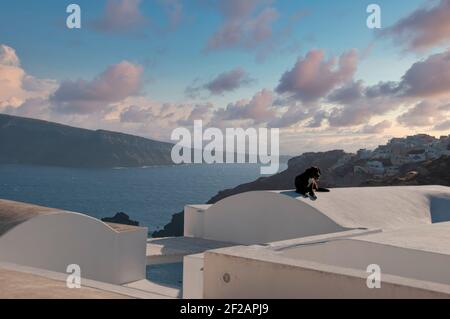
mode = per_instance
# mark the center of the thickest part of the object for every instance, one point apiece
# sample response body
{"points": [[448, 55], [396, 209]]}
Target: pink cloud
{"points": [[225, 82], [8, 56], [294, 115], [349, 93], [113, 85], [361, 111], [428, 78], [11, 74], [313, 77], [135, 114], [15, 84], [167, 115], [376, 128], [228, 81], [121, 16], [33, 108], [442, 126], [426, 81], [424, 114], [425, 28], [259, 109], [247, 24]]}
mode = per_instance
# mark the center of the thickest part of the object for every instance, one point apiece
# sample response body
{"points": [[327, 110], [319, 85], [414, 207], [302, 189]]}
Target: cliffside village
{"points": [[386, 160]]}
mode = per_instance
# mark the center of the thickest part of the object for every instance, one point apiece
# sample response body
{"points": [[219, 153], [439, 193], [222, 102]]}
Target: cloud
{"points": [[121, 16], [247, 24], [426, 81], [293, 115], [33, 107], [377, 128], [135, 114], [313, 77], [362, 110], [425, 28], [167, 115], [118, 82], [228, 81], [317, 119], [318, 91], [126, 16], [298, 142], [11, 79], [8, 56], [349, 93], [365, 103], [428, 78], [198, 112], [424, 114], [258, 109], [443, 126], [16, 86], [222, 83]]}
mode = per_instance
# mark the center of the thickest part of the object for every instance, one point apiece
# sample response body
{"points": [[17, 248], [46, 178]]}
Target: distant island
{"points": [[27, 141], [35, 142], [413, 160]]}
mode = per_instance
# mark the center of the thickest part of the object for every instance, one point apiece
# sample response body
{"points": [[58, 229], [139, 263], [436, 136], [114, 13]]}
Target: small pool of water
{"points": [[170, 275]]}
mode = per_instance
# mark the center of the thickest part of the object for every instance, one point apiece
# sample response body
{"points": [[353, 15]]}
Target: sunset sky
{"points": [[311, 68]]}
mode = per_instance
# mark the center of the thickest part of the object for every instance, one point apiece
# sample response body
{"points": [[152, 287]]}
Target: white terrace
{"points": [[252, 245]]}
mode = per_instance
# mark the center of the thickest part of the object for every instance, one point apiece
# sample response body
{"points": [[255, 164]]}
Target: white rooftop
{"points": [[265, 216], [277, 245], [381, 207], [299, 248], [433, 238]]}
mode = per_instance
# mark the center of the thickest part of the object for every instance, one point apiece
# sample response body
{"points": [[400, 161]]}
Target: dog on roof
{"points": [[307, 184]]}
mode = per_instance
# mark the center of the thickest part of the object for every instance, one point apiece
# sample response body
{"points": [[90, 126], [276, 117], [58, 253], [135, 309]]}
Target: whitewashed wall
{"points": [[257, 217], [249, 278], [55, 241]]}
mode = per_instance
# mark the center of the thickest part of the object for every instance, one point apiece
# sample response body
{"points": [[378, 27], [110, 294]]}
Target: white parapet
{"points": [[52, 239], [265, 216], [251, 272]]}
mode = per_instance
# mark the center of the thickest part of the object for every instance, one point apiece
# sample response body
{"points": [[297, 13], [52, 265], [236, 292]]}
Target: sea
{"points": [[149, 195]]}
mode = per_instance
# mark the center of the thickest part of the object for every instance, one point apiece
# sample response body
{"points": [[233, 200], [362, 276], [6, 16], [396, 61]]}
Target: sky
{"points": [[313, 69]]}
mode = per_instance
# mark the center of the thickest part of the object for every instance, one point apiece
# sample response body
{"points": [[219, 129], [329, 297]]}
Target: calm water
{"points": [[148, 195]]}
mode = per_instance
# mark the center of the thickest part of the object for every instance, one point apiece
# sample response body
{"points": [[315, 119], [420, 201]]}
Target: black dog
{"points": [[307, 183]]}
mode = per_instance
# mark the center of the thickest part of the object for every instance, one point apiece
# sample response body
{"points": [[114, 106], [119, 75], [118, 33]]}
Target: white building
{"points": [[252, 245], [375, 167], [391, 170], [322, 249], [364, 154], [382, 152], [417, 156]]}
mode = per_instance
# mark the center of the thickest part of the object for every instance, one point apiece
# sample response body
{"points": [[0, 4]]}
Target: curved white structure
{"points": [[53, 239], [263, 217]]}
